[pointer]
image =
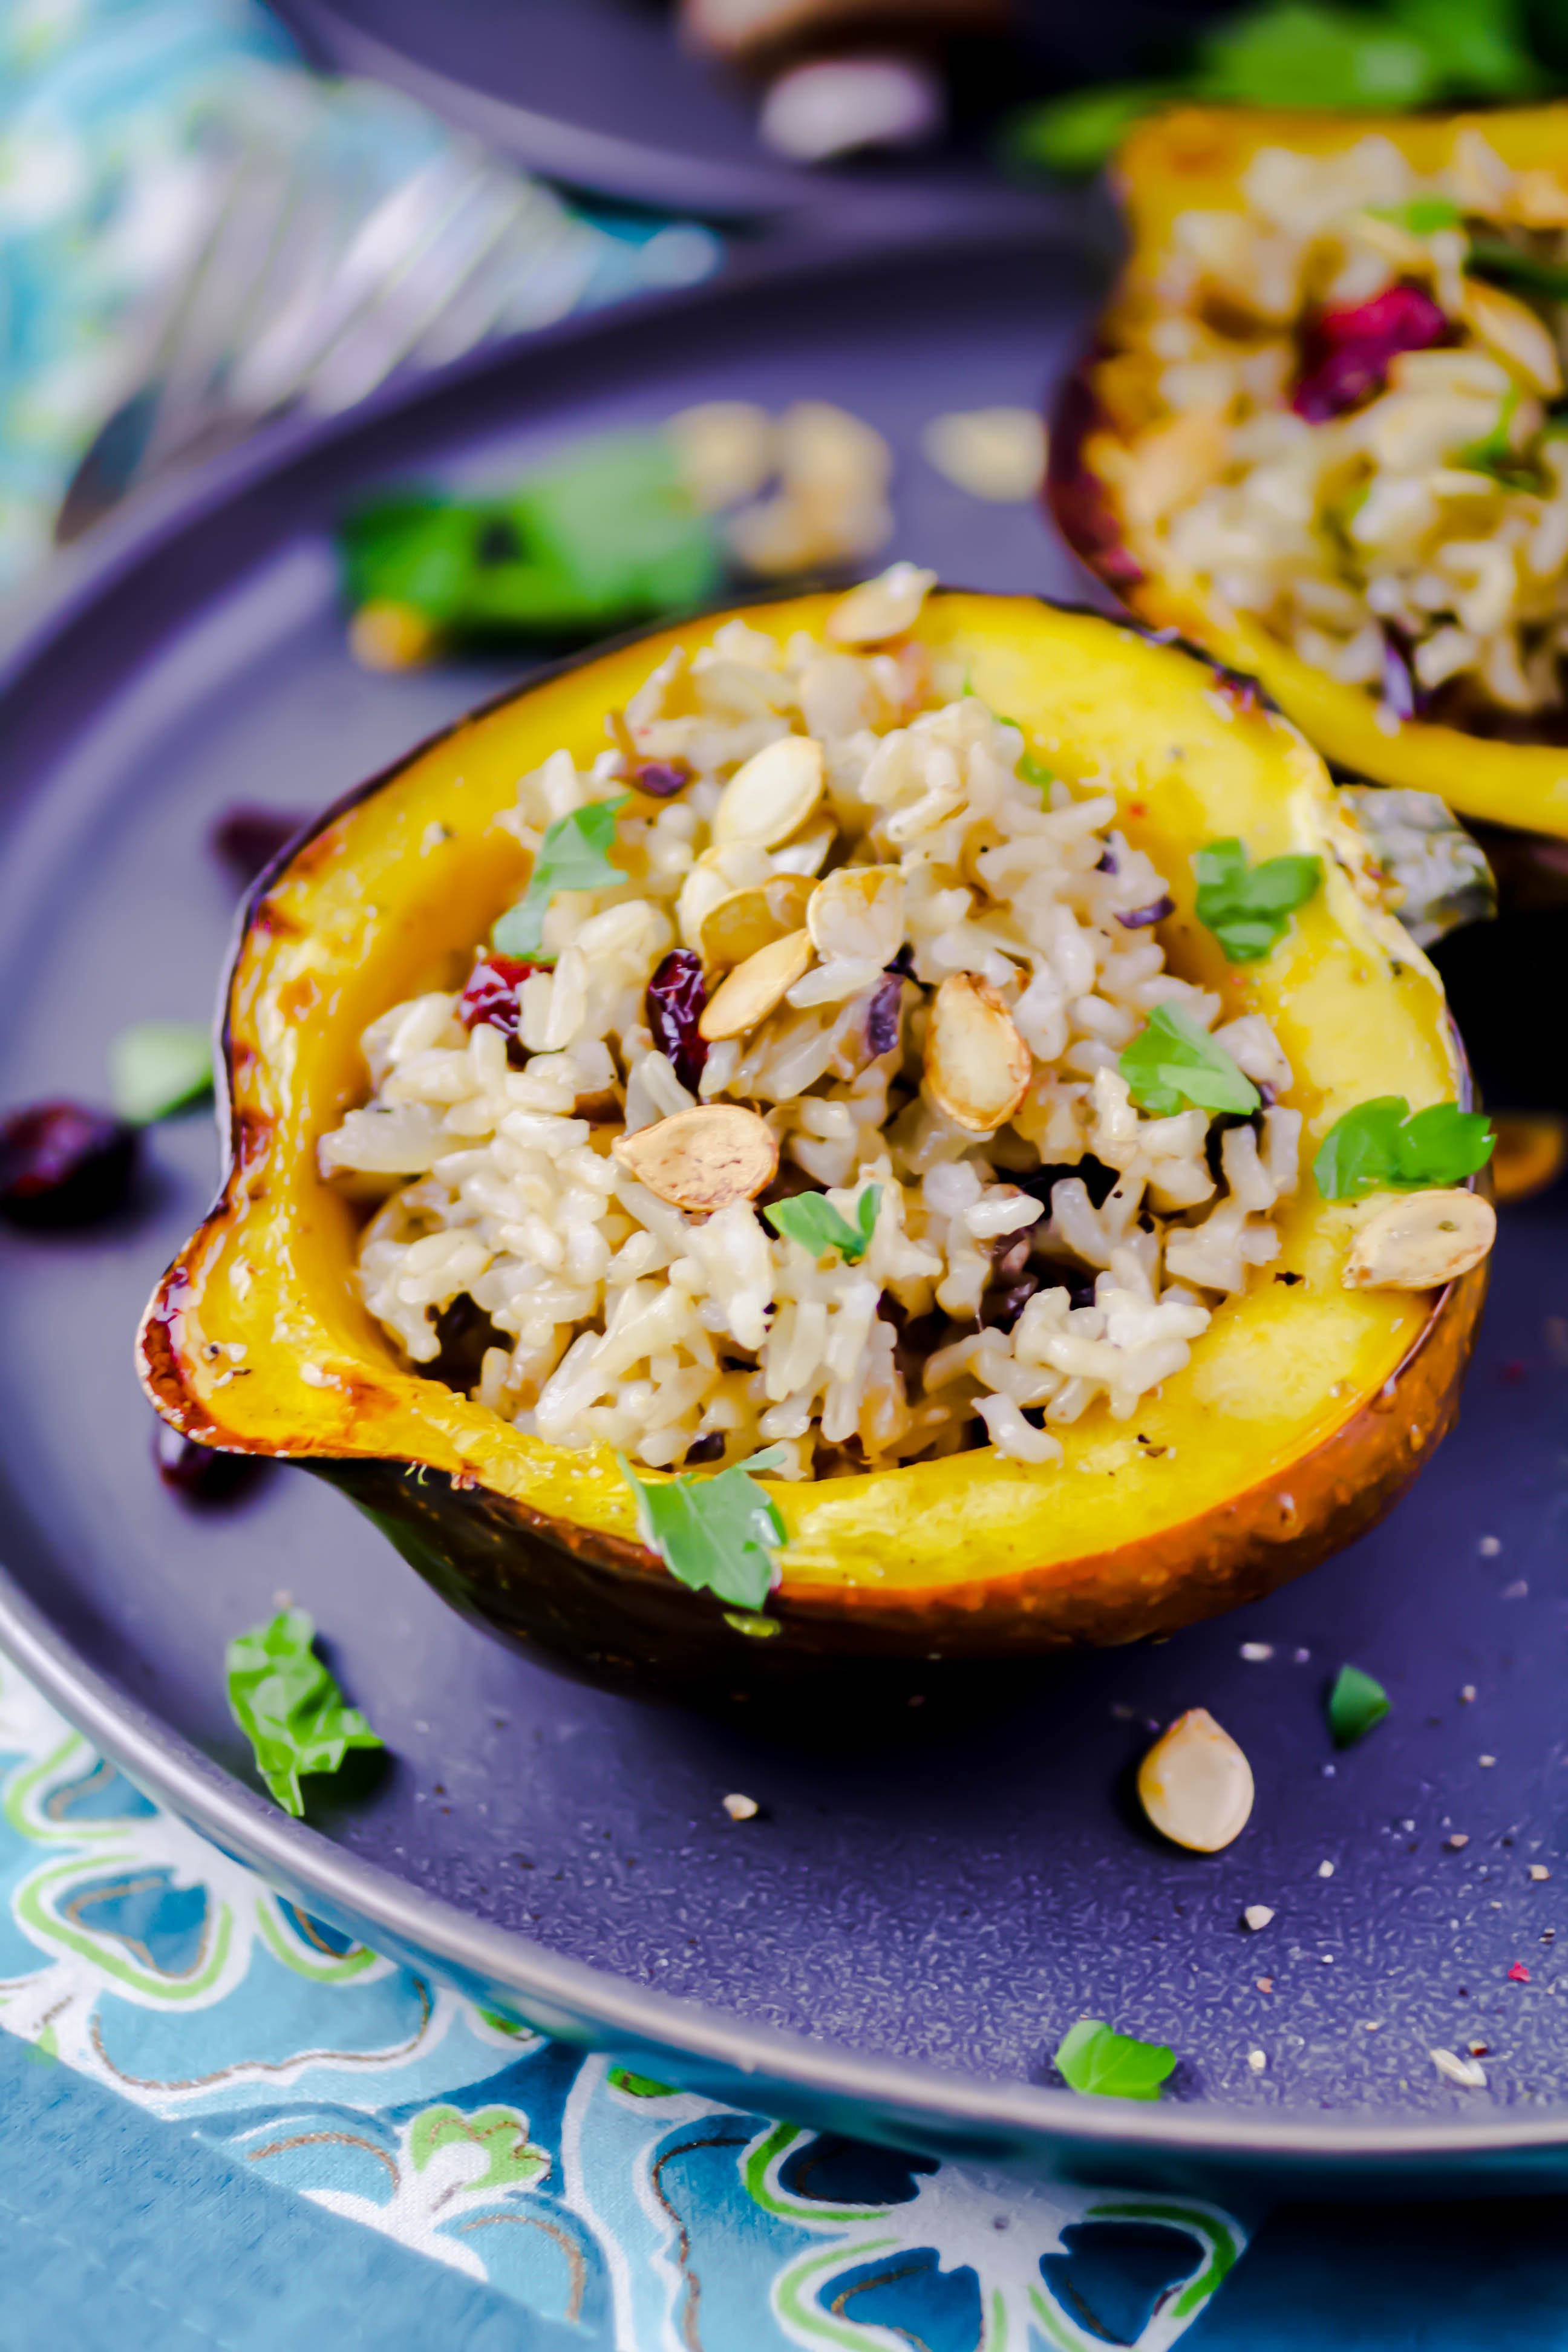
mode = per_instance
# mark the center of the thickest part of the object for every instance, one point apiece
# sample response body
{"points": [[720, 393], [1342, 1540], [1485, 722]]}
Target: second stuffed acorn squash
{"points": [[1243, 363], [1305, 1411]]}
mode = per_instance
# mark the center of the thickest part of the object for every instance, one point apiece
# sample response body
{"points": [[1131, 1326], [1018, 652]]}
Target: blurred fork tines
{"points": [[307, 285]]}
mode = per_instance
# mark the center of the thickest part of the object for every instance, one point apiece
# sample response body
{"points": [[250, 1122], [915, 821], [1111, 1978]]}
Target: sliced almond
{"points": [[858, 914], [703, 1160], [754, 988], [1539, 200], [977, 1066], [771, 794], [749, 921], [992, 453], [882, 608], [1419, 1241], [1196, 1785], [1514, 332]]}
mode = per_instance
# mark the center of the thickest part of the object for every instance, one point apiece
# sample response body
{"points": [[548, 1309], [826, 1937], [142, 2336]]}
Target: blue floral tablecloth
{"points": [[637, 2214]]}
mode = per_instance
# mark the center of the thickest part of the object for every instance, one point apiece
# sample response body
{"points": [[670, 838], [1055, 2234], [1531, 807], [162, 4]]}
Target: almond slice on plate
{"points": [[754, 988], [702, 1160], [1419, 1241], [977, 1066], [771, 794], [1196, 1785]]}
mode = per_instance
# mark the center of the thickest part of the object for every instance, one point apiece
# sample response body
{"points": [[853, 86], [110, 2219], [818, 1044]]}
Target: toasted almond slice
{"points": [[771, 795], [704, 1158], [754, 988], [992, 453], [977, 1066], [880, 608], [1512, 330], [858, 914], [1196, 1785], [1539, 200], [749, 921], [1418, 1241]]}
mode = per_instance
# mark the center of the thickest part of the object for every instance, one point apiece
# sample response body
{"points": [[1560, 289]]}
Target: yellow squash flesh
{"points": [[1282, 1438]]}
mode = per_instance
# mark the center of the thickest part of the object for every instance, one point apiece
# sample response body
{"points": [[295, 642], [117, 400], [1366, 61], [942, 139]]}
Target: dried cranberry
{"points": [[885, 1016], [662, 779], [1139, 918], [904, 961], [61, 1164], [490, 999], [247, 839], [709, 1447], [200, 1473], [1346, 351], [1000, 1310], [676, 996], [1105, 863], [465, 1335]]}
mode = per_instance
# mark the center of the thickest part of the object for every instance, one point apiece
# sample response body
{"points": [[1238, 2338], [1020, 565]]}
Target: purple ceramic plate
{"points": [[898, 1942]]}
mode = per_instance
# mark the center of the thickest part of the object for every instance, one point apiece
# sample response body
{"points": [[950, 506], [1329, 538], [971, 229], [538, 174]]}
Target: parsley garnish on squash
{"points": [[720, 1535], [812, 1221], [1382, 1146], [1248, 907]]}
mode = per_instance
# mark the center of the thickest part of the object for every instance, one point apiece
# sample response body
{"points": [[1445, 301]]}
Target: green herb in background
{"points": [[571, 857], [719, 1534], [1495, 454], [813, 1222], [608, 533], [1173, 1062], [1108, 2065], [1290, 53], [1248, 907], [1423, 216], [1491, 257], [159, 1066], [1383, 1145], [289, 1707], [1355, 1703]]}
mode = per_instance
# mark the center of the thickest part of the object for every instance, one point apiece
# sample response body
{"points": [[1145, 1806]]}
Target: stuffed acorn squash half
{"points": [[1324, 434], [875, 1128]]}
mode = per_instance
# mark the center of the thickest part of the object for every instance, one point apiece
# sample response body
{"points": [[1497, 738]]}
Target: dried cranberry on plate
{"points": [[200, 1473], [676, 996], [62, 1164], [247, 839]]}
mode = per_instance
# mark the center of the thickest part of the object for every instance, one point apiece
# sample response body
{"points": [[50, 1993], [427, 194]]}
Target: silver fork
{"points": [[301, 294]]}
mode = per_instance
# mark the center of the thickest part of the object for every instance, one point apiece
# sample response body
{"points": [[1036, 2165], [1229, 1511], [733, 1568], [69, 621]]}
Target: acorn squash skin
{"points": [[1196, 157], [970, 1559]]}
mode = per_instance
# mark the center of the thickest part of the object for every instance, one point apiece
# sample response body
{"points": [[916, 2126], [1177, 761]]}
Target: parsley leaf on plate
{"points": [[1248, 907], [1355, 1703], [719, 1534], [1092, 2058], [810, 1219], [1383, 1145], [1173, 1062], [158, 1066], [289, 1706], [571, 857]]}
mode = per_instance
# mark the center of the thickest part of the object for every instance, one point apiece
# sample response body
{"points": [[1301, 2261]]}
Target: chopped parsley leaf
{"points": [[289, 1706], [810, 1219], [1355, 1703], [1383, 1145], [571, 857], [1248, 907], [1173, 1062], [156, 1067], [719, 1534], [1108, 2065]]}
